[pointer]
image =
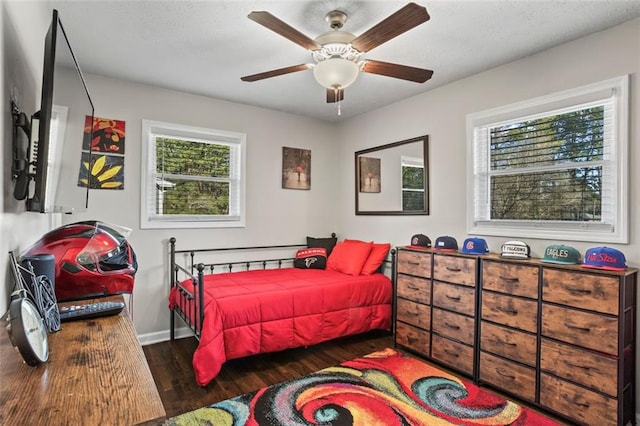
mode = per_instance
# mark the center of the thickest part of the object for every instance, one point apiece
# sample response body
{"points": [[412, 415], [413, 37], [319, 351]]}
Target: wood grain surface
{"points": [[96, 374]]}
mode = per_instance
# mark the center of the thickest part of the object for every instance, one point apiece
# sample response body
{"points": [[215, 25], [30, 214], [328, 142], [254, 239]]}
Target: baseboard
{"points": [[163, 336]]}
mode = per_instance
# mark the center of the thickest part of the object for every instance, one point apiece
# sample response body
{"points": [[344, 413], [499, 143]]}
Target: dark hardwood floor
{"points": [[170, 364]]}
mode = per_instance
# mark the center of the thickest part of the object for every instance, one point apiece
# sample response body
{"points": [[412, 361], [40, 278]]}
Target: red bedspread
{"points": [[248, 313]]}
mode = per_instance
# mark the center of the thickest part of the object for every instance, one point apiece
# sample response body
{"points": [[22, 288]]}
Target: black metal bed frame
{"points": [[196, 272]]}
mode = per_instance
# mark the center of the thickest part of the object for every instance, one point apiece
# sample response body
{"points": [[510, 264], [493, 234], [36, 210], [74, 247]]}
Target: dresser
{"points": [[587, 345], [413, 301], [509, 327], [561, 338], [436, 308]]}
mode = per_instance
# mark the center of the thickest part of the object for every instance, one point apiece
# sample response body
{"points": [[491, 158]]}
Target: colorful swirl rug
{"points": [[383, 388]]}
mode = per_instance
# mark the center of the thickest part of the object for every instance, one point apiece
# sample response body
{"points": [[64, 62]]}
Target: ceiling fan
{"points": [[337, 53]]}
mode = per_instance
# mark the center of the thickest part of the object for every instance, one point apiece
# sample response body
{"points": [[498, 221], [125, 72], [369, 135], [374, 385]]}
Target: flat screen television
{"points": [[61, 132]]}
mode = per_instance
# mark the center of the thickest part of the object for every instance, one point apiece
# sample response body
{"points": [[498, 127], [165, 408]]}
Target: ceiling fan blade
{"points": [[276, 25], [403, 72], [403, 20], [275, 73], [334, 95]]}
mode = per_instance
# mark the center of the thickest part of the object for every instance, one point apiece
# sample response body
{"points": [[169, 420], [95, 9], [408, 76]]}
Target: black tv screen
{"points": [[64, 131]]}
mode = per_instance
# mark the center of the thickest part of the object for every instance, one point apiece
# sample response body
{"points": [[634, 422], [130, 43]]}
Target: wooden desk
{"points": [[97, 374]]}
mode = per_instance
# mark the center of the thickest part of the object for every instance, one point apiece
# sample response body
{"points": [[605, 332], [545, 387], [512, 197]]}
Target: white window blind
{"points": [[194, 177], [553, 167]]}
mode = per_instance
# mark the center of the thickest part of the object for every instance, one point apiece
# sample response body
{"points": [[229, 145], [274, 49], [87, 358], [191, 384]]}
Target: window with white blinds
{"points": [[554, 167], [193, 177], [412, 179]]}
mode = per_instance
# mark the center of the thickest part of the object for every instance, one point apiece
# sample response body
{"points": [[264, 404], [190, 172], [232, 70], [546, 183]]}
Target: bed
{"points": [[316, 292]]}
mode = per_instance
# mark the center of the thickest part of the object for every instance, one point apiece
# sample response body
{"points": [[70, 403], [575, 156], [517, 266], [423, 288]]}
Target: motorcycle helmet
{"points": [[92, 259]]}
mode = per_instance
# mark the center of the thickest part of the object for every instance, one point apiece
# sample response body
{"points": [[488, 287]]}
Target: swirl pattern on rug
{"points": [[383, 388]]}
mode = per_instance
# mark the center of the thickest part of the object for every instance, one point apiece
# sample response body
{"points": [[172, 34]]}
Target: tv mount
{"points": [[20, 166]]}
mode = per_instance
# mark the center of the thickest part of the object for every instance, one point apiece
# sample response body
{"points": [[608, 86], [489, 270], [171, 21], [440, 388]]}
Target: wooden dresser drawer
{"points": [[414, 288], [509, 343], [576, 402], [455, 326], [593, 331], [581, 290], [518, 280], [579, 365], [512, 311], [514, 378], [457, 270], [414, 263], [454, 298], [453, 354], [412, 338], [414, 313]]}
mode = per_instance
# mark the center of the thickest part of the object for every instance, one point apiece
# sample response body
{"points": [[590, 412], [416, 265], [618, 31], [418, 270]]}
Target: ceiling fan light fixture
{"points": [[336, 73]]}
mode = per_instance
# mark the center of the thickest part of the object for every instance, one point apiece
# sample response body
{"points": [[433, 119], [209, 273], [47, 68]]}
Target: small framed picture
{"points": [[296, 168], [369, 174]]}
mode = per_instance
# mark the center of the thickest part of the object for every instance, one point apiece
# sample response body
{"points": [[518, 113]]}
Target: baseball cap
{"points": [[446, 243], [605, 258], [516, 249], [420, 240], [559, 253], [475, 246]]}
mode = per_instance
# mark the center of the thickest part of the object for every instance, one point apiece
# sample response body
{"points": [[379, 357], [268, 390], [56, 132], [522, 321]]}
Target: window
{"points": [[194, 177], [412, 184], [553, 167]]}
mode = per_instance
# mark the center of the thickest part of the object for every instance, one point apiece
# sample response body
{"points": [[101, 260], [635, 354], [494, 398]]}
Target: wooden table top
{"points": [[96, 374]]}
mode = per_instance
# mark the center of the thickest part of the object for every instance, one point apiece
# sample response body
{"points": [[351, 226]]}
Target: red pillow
{"points": [[349, 257], [376, 257], [378, 254]]}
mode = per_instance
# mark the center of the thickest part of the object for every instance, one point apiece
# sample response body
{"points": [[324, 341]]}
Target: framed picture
{"points": [[102, 163], [296, 168], [369, 174]]}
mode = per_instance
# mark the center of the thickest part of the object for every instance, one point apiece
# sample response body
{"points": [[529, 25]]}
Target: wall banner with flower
{"points": [[102, 154], [296, 168]]}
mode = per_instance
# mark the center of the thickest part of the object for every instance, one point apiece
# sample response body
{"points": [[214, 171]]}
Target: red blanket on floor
{"points": [[260, 311]]}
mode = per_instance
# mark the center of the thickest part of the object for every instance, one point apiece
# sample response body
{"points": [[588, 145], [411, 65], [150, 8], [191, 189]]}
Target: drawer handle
{"points": [[503, 342], [411, 339], [453, 326], [452, 269], [413, 262], [574, 401], [503, 374], [575, 327], [410, 287], [509, 311], [454, 298], [570, 364], [510, 279], [449, 352], [577, 290]]}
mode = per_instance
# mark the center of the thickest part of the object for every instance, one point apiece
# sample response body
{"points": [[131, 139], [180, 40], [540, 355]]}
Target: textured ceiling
{"points": [[204, 47]]}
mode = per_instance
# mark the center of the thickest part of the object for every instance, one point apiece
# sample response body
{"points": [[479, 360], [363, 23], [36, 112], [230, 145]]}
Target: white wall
{"points": [[274, 215], [441, 114], [24, 25]]}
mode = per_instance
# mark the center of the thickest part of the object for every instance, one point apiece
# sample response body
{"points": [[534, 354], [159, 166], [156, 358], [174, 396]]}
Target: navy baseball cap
{"points": [[475, 246], [605, 258], [446, 243], [420, 240]]}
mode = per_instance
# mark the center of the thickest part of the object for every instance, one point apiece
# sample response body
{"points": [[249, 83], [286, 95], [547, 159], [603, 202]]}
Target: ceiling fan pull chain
{"points": [[337, 99]]}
